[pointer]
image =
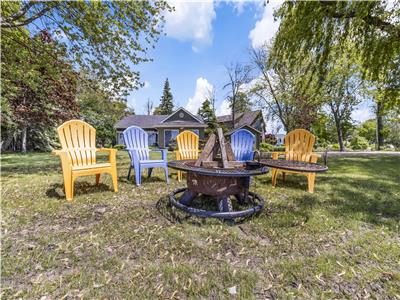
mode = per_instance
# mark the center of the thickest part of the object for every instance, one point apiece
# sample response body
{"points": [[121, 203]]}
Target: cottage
{"points": [[163, 128]]}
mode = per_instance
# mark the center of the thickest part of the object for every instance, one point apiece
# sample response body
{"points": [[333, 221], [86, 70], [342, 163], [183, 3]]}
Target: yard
{"points": [[340, 242]]}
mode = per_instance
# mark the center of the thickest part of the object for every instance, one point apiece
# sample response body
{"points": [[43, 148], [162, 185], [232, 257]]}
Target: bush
{"points": [[266, 147], [119, 146], [279, 148], [359, 143], [270, 139], [335, 147]]}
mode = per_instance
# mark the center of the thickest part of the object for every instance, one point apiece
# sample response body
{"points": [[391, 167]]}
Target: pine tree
{"points": [[208, 115], [166, 106]]}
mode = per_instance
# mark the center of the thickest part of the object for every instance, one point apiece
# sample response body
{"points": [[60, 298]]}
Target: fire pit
{"points": [[218, 175]]}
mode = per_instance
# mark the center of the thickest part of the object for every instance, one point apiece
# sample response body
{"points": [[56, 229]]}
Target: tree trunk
{"points": [[339, 134], [379, 127], [23, 139]]}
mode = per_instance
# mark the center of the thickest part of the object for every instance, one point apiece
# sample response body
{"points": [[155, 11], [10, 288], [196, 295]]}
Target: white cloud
{"points": [[191, 21], [362, 114], [224, 108], [265, 28], [203, 88]]}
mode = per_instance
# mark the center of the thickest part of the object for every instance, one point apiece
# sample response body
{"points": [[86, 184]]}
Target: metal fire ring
{"points": [[217, 214]]}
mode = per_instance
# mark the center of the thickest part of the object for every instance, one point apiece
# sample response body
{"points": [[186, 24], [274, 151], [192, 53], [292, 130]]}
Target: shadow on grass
{"points": [[80, 188]]}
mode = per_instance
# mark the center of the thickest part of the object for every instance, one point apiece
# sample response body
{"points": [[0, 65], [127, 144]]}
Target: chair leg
{"points": [[166, 174], [114, 178], [149, 171], [72, 187], [68, 185], [179, 176], [311, 182], [274, 175], [97, 179], [138, 176], [129, 172]]}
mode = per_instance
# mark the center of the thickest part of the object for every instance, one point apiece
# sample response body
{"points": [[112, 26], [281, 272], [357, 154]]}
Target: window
{"points": [[170, 135], [196, 131], [152, 138]]}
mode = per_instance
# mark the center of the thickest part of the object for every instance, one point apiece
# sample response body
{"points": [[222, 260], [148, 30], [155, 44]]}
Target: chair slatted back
{"points": [[136, 138], [299, 144], [188, 144], [79, 139], [242, 142]]}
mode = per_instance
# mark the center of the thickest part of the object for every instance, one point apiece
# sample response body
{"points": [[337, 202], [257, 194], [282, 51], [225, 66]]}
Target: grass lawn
{"points": [[342, 241]]}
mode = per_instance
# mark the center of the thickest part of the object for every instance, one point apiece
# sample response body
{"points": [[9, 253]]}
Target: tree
{"points": [[239, 76], [370, 28], [100, 109], [340, 94], [149, 106], [166, 106], [286, 94], [38, 92], [106, 37], [208, 114], [243, 103]]}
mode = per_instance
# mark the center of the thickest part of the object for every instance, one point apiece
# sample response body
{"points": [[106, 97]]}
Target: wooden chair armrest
{"points": [[314, 157], [275, 155], [106, 150]]}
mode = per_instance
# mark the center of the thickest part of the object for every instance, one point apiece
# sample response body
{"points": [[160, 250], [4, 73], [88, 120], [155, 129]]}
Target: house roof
{"points": [[243, 127], [241, 119], [158, 121]]}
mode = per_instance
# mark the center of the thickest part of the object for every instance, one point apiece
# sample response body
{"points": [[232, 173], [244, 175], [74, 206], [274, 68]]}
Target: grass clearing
{"points": [[343, 241]]}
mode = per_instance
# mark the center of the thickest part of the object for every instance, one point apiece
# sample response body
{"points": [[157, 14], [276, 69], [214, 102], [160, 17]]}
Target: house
{"points": [[162, 128], [250, 120], [280, 139]]}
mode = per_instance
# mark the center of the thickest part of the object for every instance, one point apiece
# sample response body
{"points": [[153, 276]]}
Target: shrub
{"points": [[359, 143], [335, 147], [119, 146], [270, 139], [266, 147], [279, 148]]}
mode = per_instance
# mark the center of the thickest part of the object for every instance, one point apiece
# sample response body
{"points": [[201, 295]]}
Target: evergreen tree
{"points": [[166, 106], [208, 115]]}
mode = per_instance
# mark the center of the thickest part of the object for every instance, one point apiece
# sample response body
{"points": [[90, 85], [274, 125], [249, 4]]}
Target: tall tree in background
{"points": [[106, 37], [166, 106], [239, 76], [208, 114], [38, 91], [149, 106], [286, 94], [243, 103], [371, 28]]}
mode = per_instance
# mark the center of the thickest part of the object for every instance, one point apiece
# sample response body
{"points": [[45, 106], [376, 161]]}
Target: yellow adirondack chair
{"points": [[298, 146], [78, 155], [188, 147]]}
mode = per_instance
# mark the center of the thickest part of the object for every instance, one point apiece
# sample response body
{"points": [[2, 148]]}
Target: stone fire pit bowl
{"points": [[222, 184]]}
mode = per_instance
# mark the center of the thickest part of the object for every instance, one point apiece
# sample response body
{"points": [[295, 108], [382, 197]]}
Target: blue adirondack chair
{"points": [[242, 143], [136, 142]]}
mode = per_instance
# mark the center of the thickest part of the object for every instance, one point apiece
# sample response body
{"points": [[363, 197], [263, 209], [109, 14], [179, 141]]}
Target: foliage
{"points": [[243, 103], [166, 106], [208, 115], [38, 91], [99, 109], [358, 143], [367, 130], [266, 147], [270, 139], [286, 93], [367, 30], [105, 37]]}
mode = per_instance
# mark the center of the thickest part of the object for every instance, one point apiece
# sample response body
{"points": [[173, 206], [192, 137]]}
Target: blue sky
{"points": [[201, 38]]}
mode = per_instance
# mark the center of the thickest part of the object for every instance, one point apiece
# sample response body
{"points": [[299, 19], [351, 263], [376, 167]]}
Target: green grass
{"points": [[340, 242]]}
